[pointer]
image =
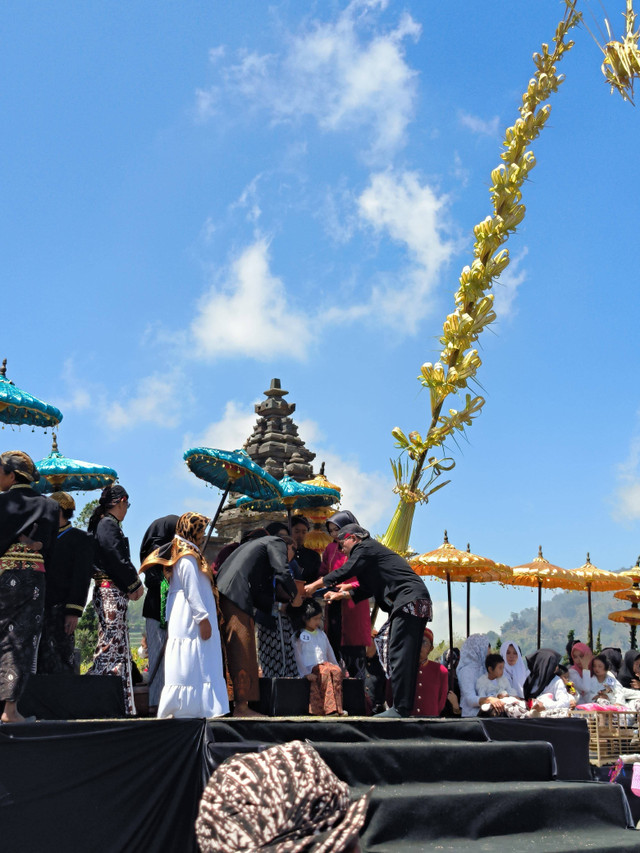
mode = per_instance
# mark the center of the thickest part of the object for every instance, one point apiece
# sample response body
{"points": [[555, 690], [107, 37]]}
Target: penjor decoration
{"points": [[459, 359]]}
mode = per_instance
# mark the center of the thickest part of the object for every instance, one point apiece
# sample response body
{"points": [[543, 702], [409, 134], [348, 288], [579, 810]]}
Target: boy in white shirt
{"points": [[494, 685]]}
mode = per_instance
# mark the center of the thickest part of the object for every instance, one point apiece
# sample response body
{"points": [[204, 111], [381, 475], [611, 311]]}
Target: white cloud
{"points": [[159, 399], [412, 214], [230, 432], [368, 494], [249, 200], [626, 504], [78, 398], [206, 103], [344, 73], [480, 622], [507, 284], [249, 314], [480, 126]]}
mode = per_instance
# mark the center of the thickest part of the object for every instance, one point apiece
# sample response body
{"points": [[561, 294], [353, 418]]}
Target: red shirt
{"points": [[431, 690]]}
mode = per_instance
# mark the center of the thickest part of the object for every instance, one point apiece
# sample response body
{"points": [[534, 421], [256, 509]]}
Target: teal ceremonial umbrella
{"points": [[58, 473], [293, 496], [20, 408], [230, 469]]}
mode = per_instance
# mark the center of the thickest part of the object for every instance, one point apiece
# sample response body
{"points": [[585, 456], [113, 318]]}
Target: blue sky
{"points": [[197, 197]]}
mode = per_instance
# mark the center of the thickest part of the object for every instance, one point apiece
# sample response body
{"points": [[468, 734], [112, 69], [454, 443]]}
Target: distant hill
{"points": [[565, 611]]}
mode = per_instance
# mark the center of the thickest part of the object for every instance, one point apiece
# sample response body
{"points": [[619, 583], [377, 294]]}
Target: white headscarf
{"points": [[517, 674], [470, 668]]}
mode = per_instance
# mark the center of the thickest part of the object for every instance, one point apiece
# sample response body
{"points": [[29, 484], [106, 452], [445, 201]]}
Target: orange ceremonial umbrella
{"points": [[597, 580], [631, 616], [450, 564], [542, 574]]}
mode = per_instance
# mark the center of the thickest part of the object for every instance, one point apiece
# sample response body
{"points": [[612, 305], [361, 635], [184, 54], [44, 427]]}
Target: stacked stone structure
{"points": [[276, 446]]}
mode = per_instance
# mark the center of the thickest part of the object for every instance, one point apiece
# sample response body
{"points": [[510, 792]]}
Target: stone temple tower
{"points": [[275, 445]]}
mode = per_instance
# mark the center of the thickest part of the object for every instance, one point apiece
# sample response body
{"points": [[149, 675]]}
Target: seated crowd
{"points": [[268, 606]]}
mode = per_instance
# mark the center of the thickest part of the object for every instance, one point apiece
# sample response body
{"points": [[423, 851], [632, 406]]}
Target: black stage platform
{"points": [[122, 785]]}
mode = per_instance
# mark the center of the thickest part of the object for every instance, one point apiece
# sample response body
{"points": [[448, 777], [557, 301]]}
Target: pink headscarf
{"points": [[584, 649]]}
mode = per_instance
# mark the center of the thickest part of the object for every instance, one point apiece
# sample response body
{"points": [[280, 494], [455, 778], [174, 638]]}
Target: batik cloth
{"points": [[284, 799], [112, 655], [56, 649], [21, 606], [421, 608], [325, 693], [239, 639], [270, 646]]}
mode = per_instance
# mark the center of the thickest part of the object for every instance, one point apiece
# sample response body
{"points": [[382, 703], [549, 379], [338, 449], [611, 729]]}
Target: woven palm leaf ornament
{"points": [[418, 468]]}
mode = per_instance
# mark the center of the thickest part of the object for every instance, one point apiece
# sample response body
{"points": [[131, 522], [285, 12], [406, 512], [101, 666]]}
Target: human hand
{"points": [[498, 704], [70, 624], [31, 544], [310, 588], [453, 699], [205, 629], [333, 595], [136, 594], [635, 683], [538, 706], [572, 702]]}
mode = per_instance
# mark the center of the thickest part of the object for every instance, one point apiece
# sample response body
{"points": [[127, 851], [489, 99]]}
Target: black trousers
{"points": [[405, 640]]}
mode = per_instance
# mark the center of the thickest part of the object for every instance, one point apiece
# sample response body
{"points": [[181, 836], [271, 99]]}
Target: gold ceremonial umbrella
{"points": [[542, 574], [317, 538], [631, 616], [450, 564], [597, 580]]}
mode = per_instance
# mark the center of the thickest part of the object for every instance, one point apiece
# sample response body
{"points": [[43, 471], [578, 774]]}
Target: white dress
{"points": [[194, 684]]}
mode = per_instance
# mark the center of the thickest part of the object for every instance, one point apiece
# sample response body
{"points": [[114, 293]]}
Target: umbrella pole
{"points": [[468, 607], [590, 616], [632, 637], [539, 612], [450, 631], [215, 518]]}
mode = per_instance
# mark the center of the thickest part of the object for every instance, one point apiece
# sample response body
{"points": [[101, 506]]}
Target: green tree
{"points": [[598, 647], [82, 520], [87, 635]]}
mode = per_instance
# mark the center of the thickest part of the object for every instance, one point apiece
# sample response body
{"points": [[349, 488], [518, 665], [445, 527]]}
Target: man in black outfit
{"points": [[159, 534], [66, 590], [398, 590]]}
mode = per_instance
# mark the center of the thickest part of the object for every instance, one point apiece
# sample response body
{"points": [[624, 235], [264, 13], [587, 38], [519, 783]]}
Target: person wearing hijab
{"points": [[68, 582], [515, 669], [614, 659], [348, 622], [472, 657], [581, 670], [194, 683], [28, 530], [630, 670], [284, 799], [116, 582], [389, 579], [543, 688], [158, 538]]}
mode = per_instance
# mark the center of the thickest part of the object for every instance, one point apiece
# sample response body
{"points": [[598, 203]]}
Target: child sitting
{"points": [[493, 688], [316, 660]]}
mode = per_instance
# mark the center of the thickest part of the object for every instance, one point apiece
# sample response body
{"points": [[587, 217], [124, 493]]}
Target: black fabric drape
{"points": [[104, 787]]}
